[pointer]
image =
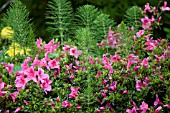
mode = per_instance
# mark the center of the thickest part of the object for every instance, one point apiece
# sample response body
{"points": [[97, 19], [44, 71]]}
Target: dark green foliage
{"points": [[86, 15], [17, 18], [133, 17], [92, 26], [102, 24], [59, 18]]}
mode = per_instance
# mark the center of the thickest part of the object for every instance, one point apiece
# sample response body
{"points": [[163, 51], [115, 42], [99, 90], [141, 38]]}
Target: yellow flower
{"points": [[18, 50], [7, 32]]}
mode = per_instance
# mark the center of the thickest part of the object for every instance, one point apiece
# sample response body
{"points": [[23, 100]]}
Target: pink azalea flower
{"points": [[144, 107], [102, 108], [43, 63], [51, 47], [146, 22], [112, 42], [91, 60], [74, 52], [41, 74], [115, 58], [74, 92], [14, 96], [147, 8], [113, 86], [131, 111], [9, 68], [157, 101], [136, 68], [139, 85], [109, 67], [165, 8], [25, 102], [140, 33], [31, 74], [66, 48], [18, 109], [38, 43], [167, 105], [125, 92], [130, 62], [7, 111], [147, 79], [25, 66], [101, 44], [36, 62], [46, 56], [2, 85], [105, 60], [132, 56], [159, 58], [20, 82], [54, 64], [151, 44], [145, 62], [46, 84], [78, 107], [158, 109], [66, 104]]}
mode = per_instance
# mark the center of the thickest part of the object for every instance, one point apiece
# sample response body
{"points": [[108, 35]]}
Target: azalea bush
{"points": [[131, 74]]}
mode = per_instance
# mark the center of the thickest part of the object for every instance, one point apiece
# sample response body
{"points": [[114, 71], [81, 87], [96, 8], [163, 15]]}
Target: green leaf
{"points": [[53, 55], [17, 68]]}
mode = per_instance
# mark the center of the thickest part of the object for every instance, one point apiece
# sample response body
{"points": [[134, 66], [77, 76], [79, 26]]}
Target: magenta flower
{"points": [[41, 74], [140, 33], [130, 62], [66, 48], [25, 102], [51, 47], [25, 65], [74, 92], [158, 109], [125, 92], [20, 82], [151, 44], [14, 96], [78, 107], [133, 110], [54, 64], [2, 85], [115, 58], [43, 63], [91, 60], [31, 74], [147, 8], [167, 105], [46, 84], [36, 62], [146, 23], [74, 52], [18, 109], [113, 85], [66, 104], [165, 8], [9, 68], [145, 62], [144, 107], [38, 43], [112, 42], [132, 56], [157, 101], [139, 85]]}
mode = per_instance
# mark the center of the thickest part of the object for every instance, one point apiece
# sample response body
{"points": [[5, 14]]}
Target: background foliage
{"points": [[115, 8]]}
